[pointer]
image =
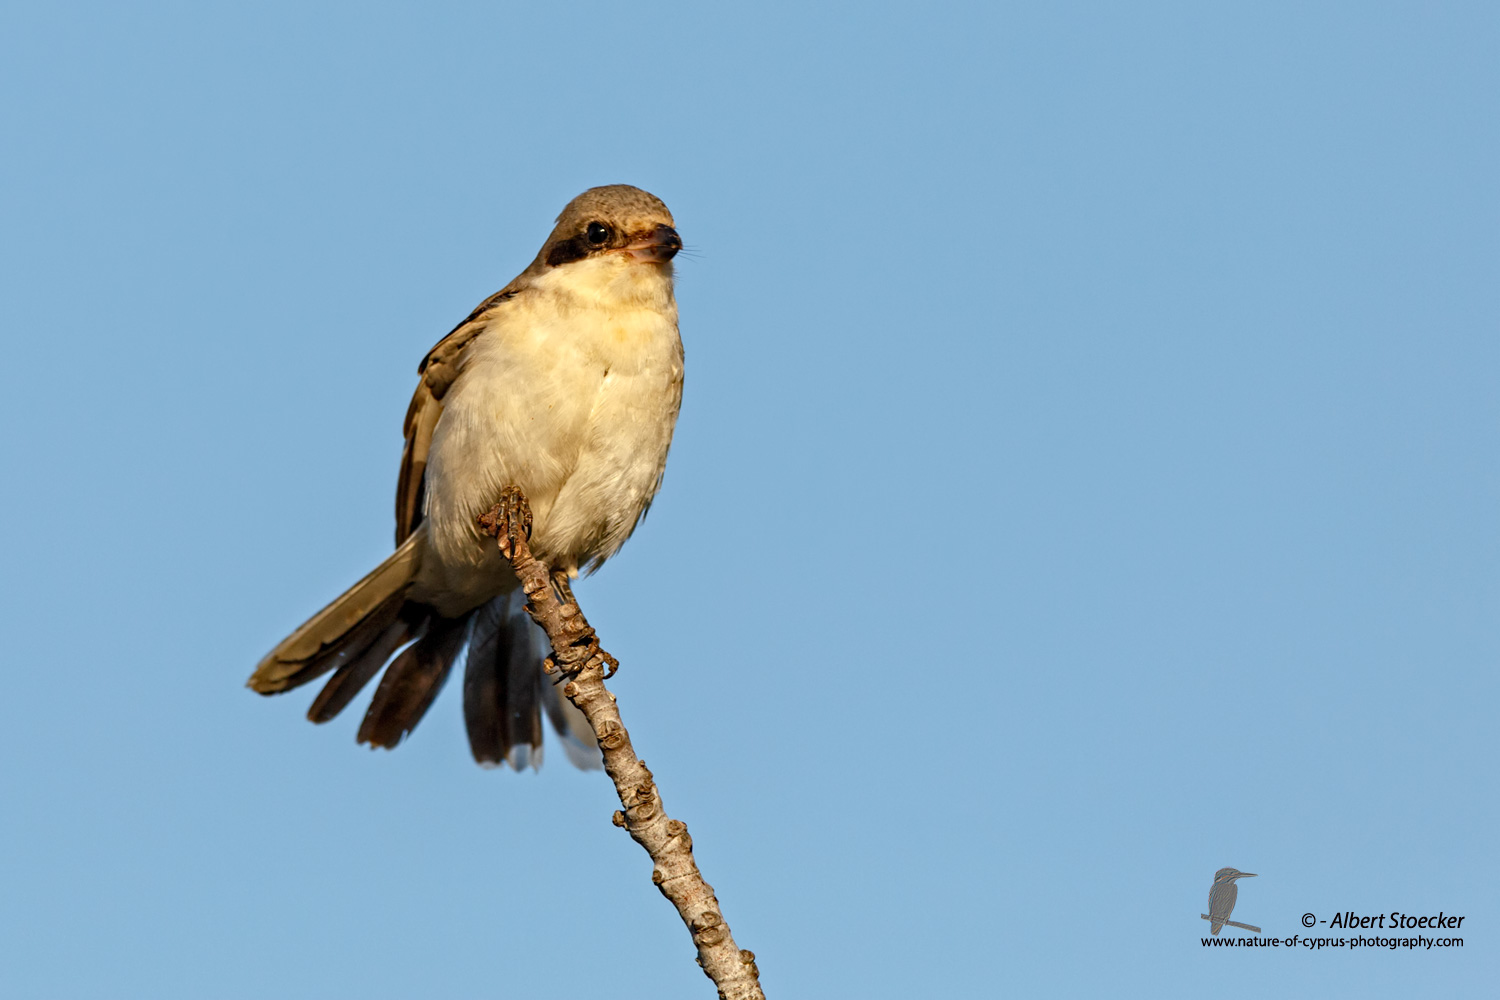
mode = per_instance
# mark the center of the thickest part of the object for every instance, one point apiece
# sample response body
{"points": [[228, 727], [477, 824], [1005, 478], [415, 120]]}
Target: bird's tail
{"points": [[353, 624], [505, 691], [354, 637]]}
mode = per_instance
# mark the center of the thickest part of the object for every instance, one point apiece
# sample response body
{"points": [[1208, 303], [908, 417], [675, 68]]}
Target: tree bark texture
{"points": [[585, 665]]}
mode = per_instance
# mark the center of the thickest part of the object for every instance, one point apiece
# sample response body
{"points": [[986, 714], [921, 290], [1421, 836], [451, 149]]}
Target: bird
{"points": [[1221, 896], [565, 384]]}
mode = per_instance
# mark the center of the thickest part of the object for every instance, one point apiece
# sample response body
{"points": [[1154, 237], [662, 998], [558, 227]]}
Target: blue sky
{"points": [[1087, 479]]}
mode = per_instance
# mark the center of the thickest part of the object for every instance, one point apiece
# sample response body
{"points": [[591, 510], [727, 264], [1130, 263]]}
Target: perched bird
{"points": [[1221, 896], [566, 383]]}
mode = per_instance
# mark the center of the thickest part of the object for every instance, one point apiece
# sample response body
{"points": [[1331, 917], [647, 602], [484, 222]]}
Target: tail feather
{"points": [[500, 684], [351, 678], [412, 681], [482, 685], [505, 692], [349, 647], [344, 629]]}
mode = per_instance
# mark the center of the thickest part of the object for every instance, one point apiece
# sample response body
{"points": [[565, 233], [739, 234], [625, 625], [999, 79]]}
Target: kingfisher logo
{"points": [[1221, 898]]}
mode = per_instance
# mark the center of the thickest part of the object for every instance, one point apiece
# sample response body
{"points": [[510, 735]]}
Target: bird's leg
{"points": [[562, 587]]}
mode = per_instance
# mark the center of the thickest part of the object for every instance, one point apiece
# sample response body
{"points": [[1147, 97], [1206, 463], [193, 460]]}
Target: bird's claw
{"points": [[508, 521]]}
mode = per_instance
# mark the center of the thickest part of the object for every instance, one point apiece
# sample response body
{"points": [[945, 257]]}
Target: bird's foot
{"points": [[563, 587], [585, 641], [508, 521], [580, 653]]}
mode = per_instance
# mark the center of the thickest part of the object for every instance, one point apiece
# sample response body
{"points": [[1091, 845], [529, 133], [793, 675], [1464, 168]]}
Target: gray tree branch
{"points": [[577, 653]]}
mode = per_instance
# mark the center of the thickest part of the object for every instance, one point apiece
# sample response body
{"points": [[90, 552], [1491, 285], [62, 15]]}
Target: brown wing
{"points": [[438, 370]]}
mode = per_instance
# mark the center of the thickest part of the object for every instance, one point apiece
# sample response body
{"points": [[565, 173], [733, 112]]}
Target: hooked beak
{"points": [[655, 247]]}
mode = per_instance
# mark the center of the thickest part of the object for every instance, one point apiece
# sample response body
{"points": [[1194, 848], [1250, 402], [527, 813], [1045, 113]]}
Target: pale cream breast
{"points": [[571, 394]]}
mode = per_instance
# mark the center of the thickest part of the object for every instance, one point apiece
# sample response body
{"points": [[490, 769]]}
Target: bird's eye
{"points": [[598, 234]]}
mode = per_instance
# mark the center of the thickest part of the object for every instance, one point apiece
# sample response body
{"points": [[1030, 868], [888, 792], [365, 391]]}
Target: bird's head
{"points": [[612, 246], [1230, 874], [616, 225]]}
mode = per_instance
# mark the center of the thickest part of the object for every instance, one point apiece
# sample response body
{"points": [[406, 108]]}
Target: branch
{"points": [[576, 652], [1232, 923]]}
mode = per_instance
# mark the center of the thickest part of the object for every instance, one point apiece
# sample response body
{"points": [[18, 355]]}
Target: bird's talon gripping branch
{"points": [[508, 520]]}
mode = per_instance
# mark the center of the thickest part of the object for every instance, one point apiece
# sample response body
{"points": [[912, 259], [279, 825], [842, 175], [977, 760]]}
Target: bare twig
{"points": [[1232, 923], [577, 653]]}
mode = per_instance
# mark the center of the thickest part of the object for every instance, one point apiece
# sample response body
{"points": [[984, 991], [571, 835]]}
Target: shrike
{"points": [[565, 383]]}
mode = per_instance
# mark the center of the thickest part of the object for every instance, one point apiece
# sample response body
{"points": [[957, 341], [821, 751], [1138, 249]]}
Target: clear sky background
{"points": [[1087, 479]]}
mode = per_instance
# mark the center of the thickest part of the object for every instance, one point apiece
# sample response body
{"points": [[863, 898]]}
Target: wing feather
{"points": [[438, 371]]}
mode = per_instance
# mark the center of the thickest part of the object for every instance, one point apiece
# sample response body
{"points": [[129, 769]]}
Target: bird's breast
{"points": [[573, 402]]}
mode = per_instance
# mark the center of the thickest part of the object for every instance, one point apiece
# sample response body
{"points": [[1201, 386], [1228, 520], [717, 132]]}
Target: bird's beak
{"points": [[656, 246], [1245, 875]]}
